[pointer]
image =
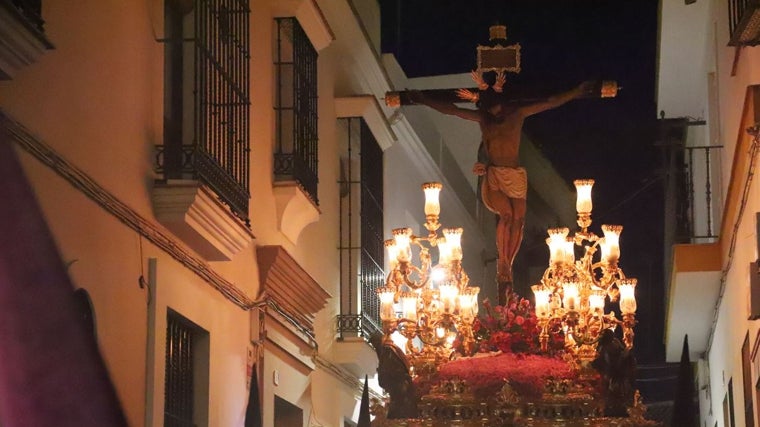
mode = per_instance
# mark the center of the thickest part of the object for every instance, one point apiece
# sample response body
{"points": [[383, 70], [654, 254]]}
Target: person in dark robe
{"points": [[617, 366], [394, 377]]}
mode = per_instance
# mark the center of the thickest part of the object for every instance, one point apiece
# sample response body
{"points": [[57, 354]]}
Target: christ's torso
{"points": [[501, 136]]}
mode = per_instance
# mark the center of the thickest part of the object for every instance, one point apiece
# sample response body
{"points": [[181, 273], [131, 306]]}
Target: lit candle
{"points": [[386, 303], [390, 245], [444, 251], [569, 251], [432, 191], [556, 242], [627, 289], [467, 300], [448, 294], [596, 301], [409, 306], [583, 187], [454, 240], [542, 301], [438, 274], [570, 297], [611, 243], [402, 236]]}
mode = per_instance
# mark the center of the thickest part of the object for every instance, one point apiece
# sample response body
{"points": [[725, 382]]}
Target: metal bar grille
{"points": [[209, 85], [296, 154], [178, 384], [360, 242], [222, 100], [372, 254], [697, 208], [743, 22], [736, 9]]}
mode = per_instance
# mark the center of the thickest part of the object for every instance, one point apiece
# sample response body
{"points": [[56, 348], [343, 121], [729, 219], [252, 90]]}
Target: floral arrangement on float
{"points": [[506, 350]]}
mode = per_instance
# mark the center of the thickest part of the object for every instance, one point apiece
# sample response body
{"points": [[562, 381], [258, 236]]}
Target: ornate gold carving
{"points": [[497, 32], [499, 58]]}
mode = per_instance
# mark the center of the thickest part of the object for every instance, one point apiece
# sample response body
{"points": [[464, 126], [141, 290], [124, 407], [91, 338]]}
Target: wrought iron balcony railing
{"points": [[744, 22], [698, 201], [356, 325]]}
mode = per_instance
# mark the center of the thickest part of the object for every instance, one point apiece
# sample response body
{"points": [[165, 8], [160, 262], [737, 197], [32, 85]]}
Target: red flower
{"points": [[519, 320], [527, 373]]}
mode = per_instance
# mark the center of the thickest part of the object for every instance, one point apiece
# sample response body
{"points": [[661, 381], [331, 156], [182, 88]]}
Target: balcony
{"points": [[697, 262], [352, 350]]}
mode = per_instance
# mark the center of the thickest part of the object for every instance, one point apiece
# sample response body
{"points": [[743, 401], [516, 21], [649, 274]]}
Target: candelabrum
{"points": [[571, 296], [437, 305]]}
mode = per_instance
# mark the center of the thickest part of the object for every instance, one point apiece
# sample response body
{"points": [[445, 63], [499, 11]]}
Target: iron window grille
{"points": [[296, 154], [362, 256], [179, 387], [207, 101]]}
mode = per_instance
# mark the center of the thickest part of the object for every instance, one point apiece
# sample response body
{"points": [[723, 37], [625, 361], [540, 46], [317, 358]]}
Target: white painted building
{"points": [[172, 146], [168, 238], [709, 77]]}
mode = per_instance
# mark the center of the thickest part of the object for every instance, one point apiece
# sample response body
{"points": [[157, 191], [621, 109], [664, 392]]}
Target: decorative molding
{"points": [[344, 376], [355, 355], [367, 107], [355, 45], [129, 217], [289, 285], [192, 212], [22, 44], [311, 19], [290, 343], [295, 209]]}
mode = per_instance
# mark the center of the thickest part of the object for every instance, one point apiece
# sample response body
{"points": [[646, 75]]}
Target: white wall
{"points": [[693, 43]]}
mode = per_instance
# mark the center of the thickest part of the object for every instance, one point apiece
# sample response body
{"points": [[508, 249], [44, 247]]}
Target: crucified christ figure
{"points": [[505, 184]]}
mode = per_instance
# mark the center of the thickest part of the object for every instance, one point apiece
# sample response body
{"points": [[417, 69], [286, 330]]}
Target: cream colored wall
{"points": [[97, 99], [293, 386], [724, 357], [228, 329], [93, 239]]}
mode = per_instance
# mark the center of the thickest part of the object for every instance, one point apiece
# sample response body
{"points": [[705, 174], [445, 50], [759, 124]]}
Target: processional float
{"points": [[556, 362]]}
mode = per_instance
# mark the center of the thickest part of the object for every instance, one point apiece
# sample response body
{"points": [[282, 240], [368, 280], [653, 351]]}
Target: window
{"points": [[361, 228], [186, 373], [287, 414], [206, 98], [295, 157], [749, 416]]}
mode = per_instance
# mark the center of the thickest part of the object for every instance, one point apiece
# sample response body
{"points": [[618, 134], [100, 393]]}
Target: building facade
{"points": [[708, 93], [215, 176]]}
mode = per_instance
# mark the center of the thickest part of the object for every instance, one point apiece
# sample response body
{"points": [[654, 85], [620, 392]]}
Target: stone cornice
{"points": [[289, 285], [366, 106]]}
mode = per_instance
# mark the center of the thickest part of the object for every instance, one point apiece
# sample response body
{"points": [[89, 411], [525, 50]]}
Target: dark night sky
{"points": [[563, 43]]}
